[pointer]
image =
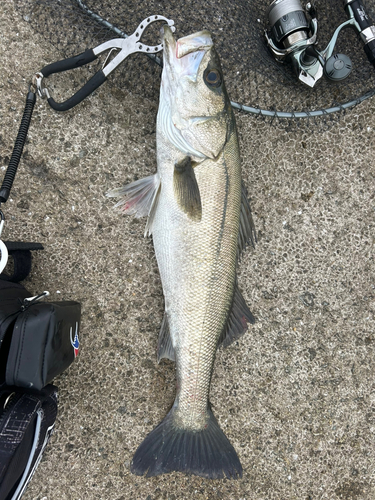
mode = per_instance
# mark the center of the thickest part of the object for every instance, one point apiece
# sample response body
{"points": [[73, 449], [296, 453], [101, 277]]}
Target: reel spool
{"points": [[288, 22]]}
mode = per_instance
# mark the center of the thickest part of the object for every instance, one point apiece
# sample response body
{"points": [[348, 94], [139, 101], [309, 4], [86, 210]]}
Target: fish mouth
{"points": [[183, 57]]}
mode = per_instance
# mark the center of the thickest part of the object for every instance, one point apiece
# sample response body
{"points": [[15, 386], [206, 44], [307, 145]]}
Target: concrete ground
{"points": [[296, 394]]}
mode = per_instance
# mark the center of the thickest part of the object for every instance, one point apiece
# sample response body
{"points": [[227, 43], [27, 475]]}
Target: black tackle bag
{"points": [[38, 340]]}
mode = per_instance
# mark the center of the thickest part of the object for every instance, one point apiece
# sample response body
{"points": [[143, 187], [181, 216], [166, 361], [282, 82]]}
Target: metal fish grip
{"points": [[125, 46]]}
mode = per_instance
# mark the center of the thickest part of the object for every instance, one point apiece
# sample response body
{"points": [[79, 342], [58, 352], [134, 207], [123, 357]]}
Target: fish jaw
{"points": [[191, 43]]}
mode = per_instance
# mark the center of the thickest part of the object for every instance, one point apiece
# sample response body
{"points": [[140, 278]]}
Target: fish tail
{"points": [[207, 452]]}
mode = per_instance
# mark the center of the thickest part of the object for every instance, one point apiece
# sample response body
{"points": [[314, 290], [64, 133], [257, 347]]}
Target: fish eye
{"points": [[212, 77]]}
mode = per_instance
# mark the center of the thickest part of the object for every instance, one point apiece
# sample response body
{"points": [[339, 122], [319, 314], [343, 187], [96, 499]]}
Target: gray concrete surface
{"points": [[296, 394]]}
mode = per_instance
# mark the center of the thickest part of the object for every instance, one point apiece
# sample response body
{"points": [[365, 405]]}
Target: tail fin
{"points": [[207, 453]]}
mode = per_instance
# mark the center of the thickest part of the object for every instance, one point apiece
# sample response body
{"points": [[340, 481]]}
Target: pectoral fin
{"points": [[186, 189], [137, 198]]}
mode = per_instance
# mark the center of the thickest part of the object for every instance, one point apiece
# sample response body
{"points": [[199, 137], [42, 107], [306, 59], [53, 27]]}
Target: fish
{"points": [[200, 221]]}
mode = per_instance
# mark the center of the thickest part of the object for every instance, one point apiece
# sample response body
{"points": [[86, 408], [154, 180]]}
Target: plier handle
{"points": [[125, 46]]}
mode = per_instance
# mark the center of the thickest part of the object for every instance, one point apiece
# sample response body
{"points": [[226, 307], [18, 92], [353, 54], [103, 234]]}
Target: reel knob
{"points": [[337, 67]]}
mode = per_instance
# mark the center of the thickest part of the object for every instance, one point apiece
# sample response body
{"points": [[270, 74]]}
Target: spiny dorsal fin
{"points": [[186, 189], [165, 347], [137, 197], [238, 318], [247, 232]]}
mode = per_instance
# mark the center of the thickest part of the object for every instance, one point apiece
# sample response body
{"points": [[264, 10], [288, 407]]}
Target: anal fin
{"points": [[238, 318], [165, 346]]}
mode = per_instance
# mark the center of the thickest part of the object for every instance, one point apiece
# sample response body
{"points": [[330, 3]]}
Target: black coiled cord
{"points": [[18, 147]]}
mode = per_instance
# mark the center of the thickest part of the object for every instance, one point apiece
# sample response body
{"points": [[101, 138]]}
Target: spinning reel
{"points": [[292, 38]]}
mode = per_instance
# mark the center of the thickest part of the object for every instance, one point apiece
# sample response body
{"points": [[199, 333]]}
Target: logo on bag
{"points": [[75, 341]]}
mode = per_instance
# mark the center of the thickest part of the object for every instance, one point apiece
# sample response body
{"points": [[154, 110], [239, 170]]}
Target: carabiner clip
{"points": [[125, 46], [3, 248]]}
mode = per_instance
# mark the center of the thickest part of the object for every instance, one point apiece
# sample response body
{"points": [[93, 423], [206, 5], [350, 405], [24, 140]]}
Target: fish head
{"points": [[195, 112]]}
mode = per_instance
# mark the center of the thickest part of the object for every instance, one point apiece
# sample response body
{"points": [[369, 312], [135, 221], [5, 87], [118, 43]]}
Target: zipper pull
{"points": [[31, 300]]}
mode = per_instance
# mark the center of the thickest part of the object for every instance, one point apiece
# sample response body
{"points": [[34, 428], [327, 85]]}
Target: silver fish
{"points": [[200, 222]]}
